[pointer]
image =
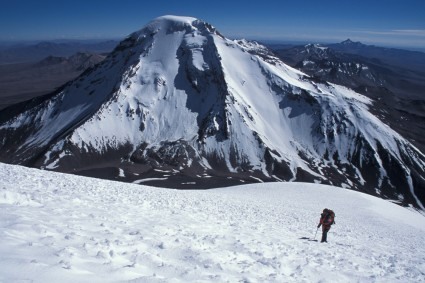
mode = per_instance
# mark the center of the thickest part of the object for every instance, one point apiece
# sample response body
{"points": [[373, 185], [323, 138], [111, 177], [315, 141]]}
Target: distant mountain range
{"points": [[22, 53], [413, 60], [176, 104], [397, 88]]}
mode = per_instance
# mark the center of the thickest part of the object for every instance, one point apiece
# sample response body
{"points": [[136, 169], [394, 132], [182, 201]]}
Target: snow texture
{"points": [[64, 228]]}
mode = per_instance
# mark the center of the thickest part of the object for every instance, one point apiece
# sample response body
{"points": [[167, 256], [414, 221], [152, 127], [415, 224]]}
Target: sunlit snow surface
{"points": [[64, 228]]}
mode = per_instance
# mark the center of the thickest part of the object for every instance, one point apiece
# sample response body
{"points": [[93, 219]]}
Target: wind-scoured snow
{"points": [[56, 227]]}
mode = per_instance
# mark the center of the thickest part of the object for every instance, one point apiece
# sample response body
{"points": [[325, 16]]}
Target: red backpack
{"points": [[328, 217]]}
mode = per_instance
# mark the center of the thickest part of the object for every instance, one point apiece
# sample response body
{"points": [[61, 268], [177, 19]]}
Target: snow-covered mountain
{"points": [[59, 227], [179, 105]]}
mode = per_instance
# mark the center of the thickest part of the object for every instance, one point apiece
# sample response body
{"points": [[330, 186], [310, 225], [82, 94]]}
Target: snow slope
{"points": [[64, 228]]}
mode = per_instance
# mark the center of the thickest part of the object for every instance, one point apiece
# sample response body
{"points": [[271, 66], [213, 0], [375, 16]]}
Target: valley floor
{"points": [[64, 228]]}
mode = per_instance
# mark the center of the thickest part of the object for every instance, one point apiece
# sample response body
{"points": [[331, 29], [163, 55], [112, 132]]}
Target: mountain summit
{"points": [[177, 104]]}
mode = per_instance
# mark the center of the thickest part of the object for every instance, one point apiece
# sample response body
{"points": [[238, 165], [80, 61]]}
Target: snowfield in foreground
{"points": [[65, 228]]}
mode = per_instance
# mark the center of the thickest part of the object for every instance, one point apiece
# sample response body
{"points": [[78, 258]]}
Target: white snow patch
{"points": [[148, 179], [257, 179], [164, 171]]}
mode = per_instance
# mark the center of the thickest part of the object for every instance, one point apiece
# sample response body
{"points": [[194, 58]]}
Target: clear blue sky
{"points": [[384, 22]]}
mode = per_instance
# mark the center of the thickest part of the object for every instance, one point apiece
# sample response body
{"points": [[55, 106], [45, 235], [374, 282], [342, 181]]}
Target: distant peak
{"points": [[350, 42]]}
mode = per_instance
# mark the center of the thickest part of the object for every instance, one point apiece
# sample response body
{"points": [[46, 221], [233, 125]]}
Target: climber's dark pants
{"points": [[325, 229]]}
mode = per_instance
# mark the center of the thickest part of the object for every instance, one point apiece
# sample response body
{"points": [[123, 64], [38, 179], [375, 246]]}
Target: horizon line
{"points": [[261, 40]]}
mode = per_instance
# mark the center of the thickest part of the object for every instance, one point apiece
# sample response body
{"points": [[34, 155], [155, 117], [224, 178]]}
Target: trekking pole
{"points": [[316, 233]]}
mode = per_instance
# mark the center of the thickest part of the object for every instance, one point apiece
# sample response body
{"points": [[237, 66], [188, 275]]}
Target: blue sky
{"points": [[386, 22]]}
